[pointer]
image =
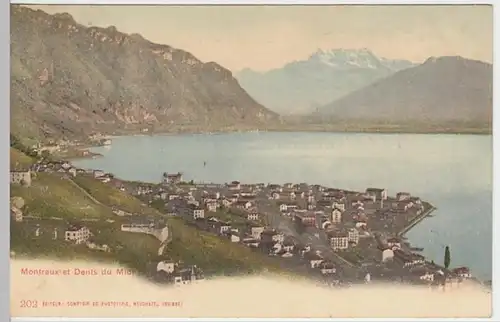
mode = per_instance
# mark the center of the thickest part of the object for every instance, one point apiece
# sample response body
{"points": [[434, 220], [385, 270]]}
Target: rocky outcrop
{"points": [[69, 80]]}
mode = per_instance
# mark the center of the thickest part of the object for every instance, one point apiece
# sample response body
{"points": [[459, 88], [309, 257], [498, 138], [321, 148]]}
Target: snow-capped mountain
{"points": [[301, 86], [340, 58]]}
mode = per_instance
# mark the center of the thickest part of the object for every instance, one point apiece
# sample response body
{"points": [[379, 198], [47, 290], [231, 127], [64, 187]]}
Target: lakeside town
{"points": [[338, 237]]}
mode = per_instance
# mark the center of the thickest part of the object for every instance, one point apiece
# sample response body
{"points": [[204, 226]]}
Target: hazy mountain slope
{"points": [[72, 80], [305, 85], [442, 89]]}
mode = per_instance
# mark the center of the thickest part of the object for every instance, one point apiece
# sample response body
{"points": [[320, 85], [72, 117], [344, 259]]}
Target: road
{"points": [[85, 192], [286, 226]]}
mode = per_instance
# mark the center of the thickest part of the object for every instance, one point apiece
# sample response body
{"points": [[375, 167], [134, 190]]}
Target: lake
{"points": [[453, 172]]}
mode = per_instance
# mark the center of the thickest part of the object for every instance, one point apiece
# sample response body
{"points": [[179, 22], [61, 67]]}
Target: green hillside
{"points": [[52, 196], [19, 160], [114, 197]]}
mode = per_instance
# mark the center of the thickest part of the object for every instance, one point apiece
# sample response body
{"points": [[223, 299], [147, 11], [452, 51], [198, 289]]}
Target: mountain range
{"points": [[71, 81], [439, 91], [302, 86], [68, 80]]}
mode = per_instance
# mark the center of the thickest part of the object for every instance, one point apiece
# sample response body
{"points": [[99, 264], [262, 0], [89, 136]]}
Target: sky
{"points": [[267, 37]]}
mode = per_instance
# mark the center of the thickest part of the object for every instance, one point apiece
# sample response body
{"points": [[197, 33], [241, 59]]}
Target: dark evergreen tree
{"points": [[447, 257]]}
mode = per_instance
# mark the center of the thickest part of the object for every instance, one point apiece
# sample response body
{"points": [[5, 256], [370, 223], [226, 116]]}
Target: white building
{"points": [[72, 171], [423, 274], [368, 278], [104, 248], [379, 194], [166, 266], [336, 216], [256, 232], [16, 214], [98, 173], [197, 212], [463, 272], [253, 216], [278, 238], [224, 227], [339, 205], [360, 224], [77, 234], [387, 255], [235, 238], [339, 242], [353, 236], [66, 165], [400, 196], [21, 177], [327, 268], [212, 206], [188, 276], [394, 243]]}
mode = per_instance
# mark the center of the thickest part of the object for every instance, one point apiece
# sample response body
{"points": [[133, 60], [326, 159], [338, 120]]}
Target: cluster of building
{"points": [[20, 176], [74, 233], [398, 261], [251, 214], [24, 176], [178, 274]]}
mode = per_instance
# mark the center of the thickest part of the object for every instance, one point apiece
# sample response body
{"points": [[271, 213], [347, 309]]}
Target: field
{"points": [[19, 160], [114, 197], [215, 254], [51, 196]]}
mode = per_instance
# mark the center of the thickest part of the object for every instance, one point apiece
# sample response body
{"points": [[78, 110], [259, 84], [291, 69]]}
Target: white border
{"points": [[5, 72], [4, 128], [251, 2]]}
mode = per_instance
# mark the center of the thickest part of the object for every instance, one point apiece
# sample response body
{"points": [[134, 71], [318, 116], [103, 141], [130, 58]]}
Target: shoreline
{"points": [[411, 224], [88, 147], [369, 130], [415, 221], [428, 210]]}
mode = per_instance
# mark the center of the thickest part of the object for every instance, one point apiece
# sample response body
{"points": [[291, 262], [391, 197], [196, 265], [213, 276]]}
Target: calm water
{"points": [[453, 172]]}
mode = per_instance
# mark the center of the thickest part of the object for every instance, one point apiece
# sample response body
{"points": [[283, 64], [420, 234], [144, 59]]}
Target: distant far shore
{"points": [[388, 130], [337, 128], [82, 149]]}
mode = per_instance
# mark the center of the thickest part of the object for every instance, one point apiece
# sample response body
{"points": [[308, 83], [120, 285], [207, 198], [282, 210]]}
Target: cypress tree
{"points": [[447, 257]]}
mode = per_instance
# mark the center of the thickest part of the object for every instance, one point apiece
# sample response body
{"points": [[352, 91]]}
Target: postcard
{"points": [[251, 161]]}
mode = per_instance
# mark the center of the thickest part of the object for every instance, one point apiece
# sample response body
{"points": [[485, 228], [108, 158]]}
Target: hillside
{"points": [[59, 201], [70, 80], [440, 91], [19, 160], [302, 86]]}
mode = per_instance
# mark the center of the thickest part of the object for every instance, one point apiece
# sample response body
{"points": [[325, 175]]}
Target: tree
{"points": [[45, 154], [299, 226], [447, 257], [14, 141]]}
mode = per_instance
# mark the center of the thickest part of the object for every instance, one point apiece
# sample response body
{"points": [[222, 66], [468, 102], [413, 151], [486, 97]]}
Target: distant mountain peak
{"points": [[341, 58], [327, 74], [453, 60], [442, 89]]}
